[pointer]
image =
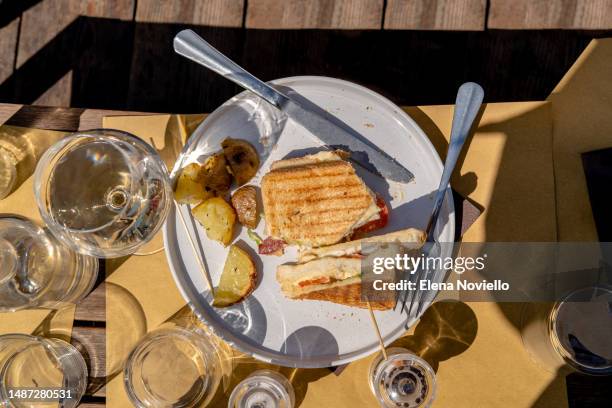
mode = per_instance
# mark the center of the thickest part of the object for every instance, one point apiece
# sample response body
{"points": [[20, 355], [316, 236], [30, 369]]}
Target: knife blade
{"points": [[337, 134]]}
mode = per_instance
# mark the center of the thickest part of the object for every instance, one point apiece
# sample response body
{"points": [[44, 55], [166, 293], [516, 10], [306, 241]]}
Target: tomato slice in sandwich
{"points": [[381, 222]]}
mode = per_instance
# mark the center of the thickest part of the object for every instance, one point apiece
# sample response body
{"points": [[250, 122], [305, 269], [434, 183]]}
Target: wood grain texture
{"points": [[219, 13], [93, 307], [8, 43], [44, 117], [56, 118], [342, 14], [45, 20], [91, 342], [538, 14], [7, 110], [435, 14], [41, 23]]}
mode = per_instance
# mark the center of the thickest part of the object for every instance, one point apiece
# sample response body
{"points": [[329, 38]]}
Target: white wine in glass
{"points": [[103, 192]]}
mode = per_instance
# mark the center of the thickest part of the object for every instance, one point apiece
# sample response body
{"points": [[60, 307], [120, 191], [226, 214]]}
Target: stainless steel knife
{"points": [[326, 127]]}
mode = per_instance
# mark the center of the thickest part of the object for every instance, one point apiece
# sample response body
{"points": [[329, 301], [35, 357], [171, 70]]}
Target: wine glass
{"points": [[402, 380], [104, 192], [173, 366], [36, 270], [37, 372], [263, 389]]}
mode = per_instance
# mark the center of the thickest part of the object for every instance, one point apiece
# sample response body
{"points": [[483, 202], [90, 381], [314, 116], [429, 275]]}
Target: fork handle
{"points": [[467, 105]]}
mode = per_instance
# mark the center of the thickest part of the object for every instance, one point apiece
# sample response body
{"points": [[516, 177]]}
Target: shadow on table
{"points": [[26, 146], [521, 206], [445, 330], [236, 366]]}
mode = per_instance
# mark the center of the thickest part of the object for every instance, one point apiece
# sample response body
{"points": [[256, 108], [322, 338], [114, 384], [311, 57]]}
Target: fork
{"points": [[468, 102]]}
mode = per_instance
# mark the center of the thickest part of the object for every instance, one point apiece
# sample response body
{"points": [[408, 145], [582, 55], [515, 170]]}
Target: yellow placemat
{"points": [[509, 158]]}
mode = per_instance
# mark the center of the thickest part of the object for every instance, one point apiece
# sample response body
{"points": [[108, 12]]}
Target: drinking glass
{"points": [[263, 389], [173, 367], [103, 192], [36, 270], [8, 172], [402, 380], [37, 372], [572, 333]]}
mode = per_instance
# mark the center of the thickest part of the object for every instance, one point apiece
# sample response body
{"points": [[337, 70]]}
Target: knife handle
{"points": [[190, 45]]}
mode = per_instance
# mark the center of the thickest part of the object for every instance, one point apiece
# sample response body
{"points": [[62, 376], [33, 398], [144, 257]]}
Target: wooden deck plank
{"points": [[93, 307], [8, 43], [543, 14], [45, 20], [435, 14], [91, 341], [217, 13], [171, 83], [337, 14], [7, 110]]}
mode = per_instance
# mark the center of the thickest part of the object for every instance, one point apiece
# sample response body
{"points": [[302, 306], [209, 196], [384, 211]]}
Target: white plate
{"points": [[267, 325]]}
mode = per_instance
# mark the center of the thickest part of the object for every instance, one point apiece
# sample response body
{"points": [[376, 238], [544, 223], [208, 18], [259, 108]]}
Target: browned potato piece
{"points": [[237, 279], [244, 201], [218, 219], [189, 187], [214, 175], [242, 159]]}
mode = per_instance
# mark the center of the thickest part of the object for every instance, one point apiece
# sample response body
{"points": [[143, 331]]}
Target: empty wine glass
{"points": [[104, 192], [402, 380], [36, 270], [37, 372], [263, 389]]}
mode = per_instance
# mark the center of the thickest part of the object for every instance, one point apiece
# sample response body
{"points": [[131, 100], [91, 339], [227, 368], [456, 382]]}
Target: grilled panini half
{"points": [[333, 273], [315, 200]]}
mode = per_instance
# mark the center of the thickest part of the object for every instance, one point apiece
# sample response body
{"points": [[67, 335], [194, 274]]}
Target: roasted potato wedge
{"points": [[237, 279], [218, 219], [189, 188], [214, 175], [242, 158], [244, 201]]}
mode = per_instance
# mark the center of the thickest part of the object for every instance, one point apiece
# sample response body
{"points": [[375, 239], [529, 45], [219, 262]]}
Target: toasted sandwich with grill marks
{"points": [[316, 200], [333, 273]]}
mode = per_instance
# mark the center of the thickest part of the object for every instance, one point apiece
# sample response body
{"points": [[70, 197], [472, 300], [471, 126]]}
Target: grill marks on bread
{"points": [[313, 202]]}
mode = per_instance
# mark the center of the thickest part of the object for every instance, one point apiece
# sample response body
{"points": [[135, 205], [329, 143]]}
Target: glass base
{"points": [[45, 272], [403, 380], [36, 363], [172, 368], [263, 389]]}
